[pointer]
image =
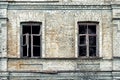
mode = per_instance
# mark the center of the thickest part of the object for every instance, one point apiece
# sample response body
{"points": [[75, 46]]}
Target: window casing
{"points": [[87, 40], [31, 39]]}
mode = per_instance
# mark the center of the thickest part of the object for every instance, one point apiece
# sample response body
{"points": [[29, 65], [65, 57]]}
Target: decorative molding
{"points": [[3, 13], [34, 1], [88, 67], [3, 5], [31, 67], [52, 6], [115, 18]]}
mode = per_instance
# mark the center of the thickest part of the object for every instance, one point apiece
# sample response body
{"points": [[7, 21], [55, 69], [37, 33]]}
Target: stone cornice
{"points": [[115, 18], [115, 6], [56, 6], [3, 19], [3, 5]]}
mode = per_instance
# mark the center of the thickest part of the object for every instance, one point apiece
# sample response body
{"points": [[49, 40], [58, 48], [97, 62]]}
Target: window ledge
{"points": [[74, 58], [88, 58]]}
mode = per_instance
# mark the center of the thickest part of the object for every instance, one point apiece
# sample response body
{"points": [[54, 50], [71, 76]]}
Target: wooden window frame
{"points": [[32, 35], [87, 39]]}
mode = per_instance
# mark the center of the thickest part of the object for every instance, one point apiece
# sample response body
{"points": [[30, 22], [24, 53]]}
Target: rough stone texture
{"points": [[60, 34], [116, 42], [0, 38], [3, 38], [43, 65], [62, 76]]}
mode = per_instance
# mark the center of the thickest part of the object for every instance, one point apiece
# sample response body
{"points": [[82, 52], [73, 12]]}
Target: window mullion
{"points": [[27, 42], [31, 42], [32, 45], [40, 41], [22, 44], [87, 37], [96, 42], [40, 45]]}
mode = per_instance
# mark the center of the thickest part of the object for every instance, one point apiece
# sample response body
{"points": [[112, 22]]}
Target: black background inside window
{"points": [[35, 29], [82, 29], [31, 40], [26, 29]]}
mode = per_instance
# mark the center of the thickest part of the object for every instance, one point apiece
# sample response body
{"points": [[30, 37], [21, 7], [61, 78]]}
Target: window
{"points": [[87, 39], [31, 39]]}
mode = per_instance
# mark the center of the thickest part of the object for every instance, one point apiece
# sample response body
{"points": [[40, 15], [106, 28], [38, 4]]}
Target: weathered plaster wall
{"points": [[116, 38], [40, 65], [3, 31], [62, 76], [3, 36], [59, 29], [59, 38]]}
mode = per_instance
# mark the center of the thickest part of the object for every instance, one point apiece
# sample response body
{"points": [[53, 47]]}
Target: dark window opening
{"points": [[92, 29], [31, 39], [36, 40], [24, 50], [36, 51], [36, 29], [82, 29], [24, 40], [82, 50], [26, 29], [92, 51], [82, 40], [87, 39], [92, 40]]}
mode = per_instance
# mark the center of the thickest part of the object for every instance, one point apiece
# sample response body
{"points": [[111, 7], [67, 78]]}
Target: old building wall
{"points": [[59, 29], [116, 38], [59, 59]]}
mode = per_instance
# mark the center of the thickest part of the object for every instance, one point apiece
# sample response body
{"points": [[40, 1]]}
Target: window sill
{"points": [[89, 58], [73, 58]]}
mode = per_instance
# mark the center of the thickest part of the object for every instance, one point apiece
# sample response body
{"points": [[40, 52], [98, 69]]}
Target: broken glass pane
{"points": [[82, 29], [82, 50], [92, 51], [92, 40], [92, 29]]}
